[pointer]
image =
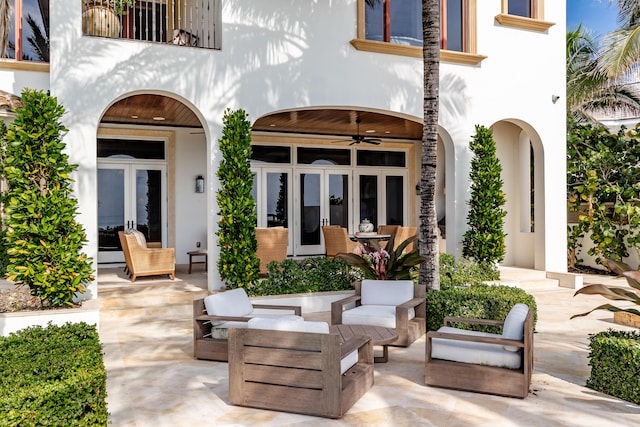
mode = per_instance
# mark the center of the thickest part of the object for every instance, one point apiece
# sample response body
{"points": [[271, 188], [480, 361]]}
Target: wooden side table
{"points": [[379, 336], [198, 253]]}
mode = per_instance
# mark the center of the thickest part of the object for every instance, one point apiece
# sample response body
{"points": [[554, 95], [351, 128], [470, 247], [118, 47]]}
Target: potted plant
{"points": [[102, 17], [377, 263]]}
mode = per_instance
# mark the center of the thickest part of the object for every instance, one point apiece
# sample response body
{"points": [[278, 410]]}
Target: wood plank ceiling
{"points": [[148, 109]]}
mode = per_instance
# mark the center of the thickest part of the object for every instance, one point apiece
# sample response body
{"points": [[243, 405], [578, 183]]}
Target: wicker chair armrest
{"points": [[154, 244], [296, 308], [450, 319]]}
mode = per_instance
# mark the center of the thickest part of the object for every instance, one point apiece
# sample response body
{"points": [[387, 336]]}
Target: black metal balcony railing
{"points": [[182, 22]]}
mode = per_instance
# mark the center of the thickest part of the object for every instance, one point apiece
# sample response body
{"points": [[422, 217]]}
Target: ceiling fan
{"points": [[357, 138]]}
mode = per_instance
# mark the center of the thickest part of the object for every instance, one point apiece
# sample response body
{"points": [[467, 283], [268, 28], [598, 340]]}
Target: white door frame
{"points": [[130, 167]]}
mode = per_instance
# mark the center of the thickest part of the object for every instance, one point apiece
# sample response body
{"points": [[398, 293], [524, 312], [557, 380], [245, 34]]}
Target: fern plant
{"points": [[484, 239], [44, 241], [238, 265]]}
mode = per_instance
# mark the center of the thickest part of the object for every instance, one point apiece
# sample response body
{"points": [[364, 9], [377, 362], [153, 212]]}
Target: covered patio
{"points": [[153, 379]]}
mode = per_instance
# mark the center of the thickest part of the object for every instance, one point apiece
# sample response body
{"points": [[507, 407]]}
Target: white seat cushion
{"points": [[303, 326], [514, 324], [220, 330], [472, 352], [234, 302], [386, 292], [376, 315]]}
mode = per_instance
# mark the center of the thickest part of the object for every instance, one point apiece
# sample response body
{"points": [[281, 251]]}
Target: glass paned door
{"points": [[130, 195], [323, 198], [381, 198]]}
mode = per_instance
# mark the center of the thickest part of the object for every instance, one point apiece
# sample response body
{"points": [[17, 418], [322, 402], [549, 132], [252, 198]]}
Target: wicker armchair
{"points": [[272, 245], [145, 261], [402, 234], [336, 240]]}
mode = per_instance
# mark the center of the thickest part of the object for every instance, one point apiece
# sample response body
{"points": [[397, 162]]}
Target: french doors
{"points": [[322, 197], [131, 194]]}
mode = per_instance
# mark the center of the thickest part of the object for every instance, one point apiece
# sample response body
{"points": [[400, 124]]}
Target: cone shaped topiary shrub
{"points": [[43, 240], [238, 265]]}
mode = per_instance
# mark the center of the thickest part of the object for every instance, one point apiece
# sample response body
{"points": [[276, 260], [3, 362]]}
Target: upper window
{"points": [[527, 14], [395, 26], [521, 8], [29, 40]]}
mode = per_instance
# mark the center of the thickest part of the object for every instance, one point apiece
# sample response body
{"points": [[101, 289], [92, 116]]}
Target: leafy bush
{"points": [[465, 272], [476, 301], [43, 240], [377, 263], [614, 358], [53, 376], [316, 274], [238, 265], [602, 188]]}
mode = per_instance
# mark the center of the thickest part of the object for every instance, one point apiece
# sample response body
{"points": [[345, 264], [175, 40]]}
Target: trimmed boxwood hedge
{"points": [[614, 358], [53, 376], [476, 301], [314, 274]]}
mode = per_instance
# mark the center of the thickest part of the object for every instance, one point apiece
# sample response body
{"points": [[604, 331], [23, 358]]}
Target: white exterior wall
{"points": [[281, 54]]}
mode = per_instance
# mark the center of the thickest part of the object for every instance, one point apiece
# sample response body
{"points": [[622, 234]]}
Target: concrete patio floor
{"points": [[153, 379]]}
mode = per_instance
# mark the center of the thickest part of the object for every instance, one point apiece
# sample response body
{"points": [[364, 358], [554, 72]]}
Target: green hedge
{"points": [[317, 274], [53, 376], [477, 301], [614, 358]]}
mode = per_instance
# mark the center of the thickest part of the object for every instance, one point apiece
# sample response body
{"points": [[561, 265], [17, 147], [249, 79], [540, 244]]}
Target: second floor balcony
{"points": [[193, 23]]}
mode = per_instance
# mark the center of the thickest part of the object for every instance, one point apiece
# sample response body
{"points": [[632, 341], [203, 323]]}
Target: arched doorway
{"points": [[520, 151], [138, 168], [334, 166]]}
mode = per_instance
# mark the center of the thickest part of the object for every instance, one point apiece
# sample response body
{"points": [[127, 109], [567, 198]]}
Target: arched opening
{"points": [[150, 150], [520, 152], [335, 166]]}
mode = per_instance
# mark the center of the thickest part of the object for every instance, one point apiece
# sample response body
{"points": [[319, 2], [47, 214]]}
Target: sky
{"points": [[597, 15]]}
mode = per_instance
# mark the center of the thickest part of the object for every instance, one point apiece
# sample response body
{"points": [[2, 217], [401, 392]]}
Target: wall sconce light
{"points": [[554, 98], [199, 184]]}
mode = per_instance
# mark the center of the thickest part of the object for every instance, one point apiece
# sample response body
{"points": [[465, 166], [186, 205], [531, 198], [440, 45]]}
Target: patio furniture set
{"points": [[282, 362]]}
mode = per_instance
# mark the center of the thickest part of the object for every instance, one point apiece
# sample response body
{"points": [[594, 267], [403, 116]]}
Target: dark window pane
{"points": [[338, 194], [454, 25], [322, 156], [520, 8], [130, 149], [369, 199], [271, 154], [277, 202], [394, 201], [406, 22], [35, 30], [381, 158], [374, 27]]}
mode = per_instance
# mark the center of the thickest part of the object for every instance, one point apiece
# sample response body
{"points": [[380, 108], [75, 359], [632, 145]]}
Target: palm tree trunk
{"points": [[429, 272], [5, 17]]}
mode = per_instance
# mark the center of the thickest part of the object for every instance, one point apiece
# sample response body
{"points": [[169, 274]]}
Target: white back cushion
{"points": [[386, 292], [514, 324], [234, 302], [282, 323]]}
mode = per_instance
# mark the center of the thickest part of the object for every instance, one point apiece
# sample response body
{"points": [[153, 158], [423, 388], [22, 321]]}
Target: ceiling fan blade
{"points": [[373, 141]]}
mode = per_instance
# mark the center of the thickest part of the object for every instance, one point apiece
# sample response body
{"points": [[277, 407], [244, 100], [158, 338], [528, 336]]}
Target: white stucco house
{"points": [[145, 104]]}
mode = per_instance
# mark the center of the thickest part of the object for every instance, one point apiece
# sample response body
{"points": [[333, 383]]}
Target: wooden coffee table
{"points": [[379, 336]]}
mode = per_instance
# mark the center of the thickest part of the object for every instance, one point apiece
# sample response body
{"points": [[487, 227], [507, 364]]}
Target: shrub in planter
{"points": [[42, 238], [317, 274], [614, 358], [476, 301], [53, 376]]}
